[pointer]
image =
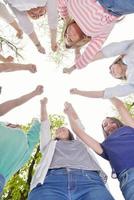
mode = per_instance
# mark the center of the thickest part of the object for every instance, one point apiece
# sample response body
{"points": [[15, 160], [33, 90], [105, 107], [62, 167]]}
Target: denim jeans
{"points": [[71, 184], [118, 7], [126, 180], [2, 183]]}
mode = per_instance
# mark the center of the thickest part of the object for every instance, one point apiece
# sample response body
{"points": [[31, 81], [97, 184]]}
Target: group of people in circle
{"points": [[68, 169]]}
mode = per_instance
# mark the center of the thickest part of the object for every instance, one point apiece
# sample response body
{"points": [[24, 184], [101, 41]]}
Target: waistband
{"points": [[66, 170], [107, 9]]}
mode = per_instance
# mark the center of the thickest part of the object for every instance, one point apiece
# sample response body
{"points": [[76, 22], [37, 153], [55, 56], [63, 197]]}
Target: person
{"points": [[122, 68], [91, 19], [5, 14], [25, 10], [117, 148], [16, 146], [68, 169], [11, 67]]}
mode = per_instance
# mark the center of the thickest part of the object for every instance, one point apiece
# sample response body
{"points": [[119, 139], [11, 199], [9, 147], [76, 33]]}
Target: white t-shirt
{"points": [[20, 8]]}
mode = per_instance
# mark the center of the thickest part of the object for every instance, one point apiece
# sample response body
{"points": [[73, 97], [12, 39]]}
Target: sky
{"points": [[57, 85]]}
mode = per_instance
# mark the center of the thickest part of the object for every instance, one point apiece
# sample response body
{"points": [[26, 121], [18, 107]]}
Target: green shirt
{"points": [[16, 147]]}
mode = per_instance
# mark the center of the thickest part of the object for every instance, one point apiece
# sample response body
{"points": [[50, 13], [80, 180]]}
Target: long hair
{"points": [[70, 136], [115, 120], [84, 40]]}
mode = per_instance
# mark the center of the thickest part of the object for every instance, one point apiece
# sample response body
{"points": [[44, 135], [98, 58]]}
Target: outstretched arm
{"points": [[92, 143], [125, 115], [43, 114], [90, 94], [10, 67], [45, 135], [11, 104]]}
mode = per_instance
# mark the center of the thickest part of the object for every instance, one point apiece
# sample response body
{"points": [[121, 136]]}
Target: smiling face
{"points": [[118, 70], [36, 13], [73, 34], [62, 133], [109, 126]]}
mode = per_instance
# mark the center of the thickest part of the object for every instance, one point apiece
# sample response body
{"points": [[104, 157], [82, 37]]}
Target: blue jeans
{"points": [[71, 184], [126, 180], [2, 183], [118, 7]]}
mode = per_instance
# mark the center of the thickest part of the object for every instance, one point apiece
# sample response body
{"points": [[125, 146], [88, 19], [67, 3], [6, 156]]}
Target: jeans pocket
{"points": [[123, 180], [93, 177]]}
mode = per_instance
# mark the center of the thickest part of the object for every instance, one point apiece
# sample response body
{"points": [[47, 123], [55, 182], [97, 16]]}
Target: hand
{"points": [[41, 49], [19, 34], [44, 101], [66, 107], [69, 70], [39, 90], [31, 68], [9, 59], [54, 46], [74, 91]]}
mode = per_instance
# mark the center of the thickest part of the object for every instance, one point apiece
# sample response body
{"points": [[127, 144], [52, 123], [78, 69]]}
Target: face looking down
{"points": [[36, 13]]}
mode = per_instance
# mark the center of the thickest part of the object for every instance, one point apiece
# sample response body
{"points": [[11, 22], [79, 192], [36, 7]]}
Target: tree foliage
{"points": [[18, 186]]}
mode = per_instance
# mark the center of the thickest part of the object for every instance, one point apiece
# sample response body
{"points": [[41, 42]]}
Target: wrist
{"points": [[37, 44], [73, 67]]}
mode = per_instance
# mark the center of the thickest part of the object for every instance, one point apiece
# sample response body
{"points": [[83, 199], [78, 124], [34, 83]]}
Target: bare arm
{"points": [[36, 42], [72, 116], [43, 114], [11, 104], [53, 33], [45, 135], [90, 94], [10, 67], [92, 143], [125, 115]]}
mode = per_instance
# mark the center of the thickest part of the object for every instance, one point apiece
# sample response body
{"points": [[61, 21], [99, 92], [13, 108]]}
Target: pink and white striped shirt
{"points": [[93, 20]]}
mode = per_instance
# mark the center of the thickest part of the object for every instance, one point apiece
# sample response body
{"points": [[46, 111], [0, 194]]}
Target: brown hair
{"points": [[70, 136], [119, 61], [84, 39], [118, 123]]}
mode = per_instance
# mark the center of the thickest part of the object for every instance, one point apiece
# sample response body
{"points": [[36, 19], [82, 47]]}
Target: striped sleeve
{"points": [[91, 50], [62, 8]]}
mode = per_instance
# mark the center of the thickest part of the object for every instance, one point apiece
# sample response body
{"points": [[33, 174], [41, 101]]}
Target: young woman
{"points": [[5, 14], [68, 169], [117, 148], [122, 68], [15, 146], [24, 10], [91, 19]]}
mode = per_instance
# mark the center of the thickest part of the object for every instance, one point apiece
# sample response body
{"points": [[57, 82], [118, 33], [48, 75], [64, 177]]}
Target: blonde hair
{"points": [[81, 42]]}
